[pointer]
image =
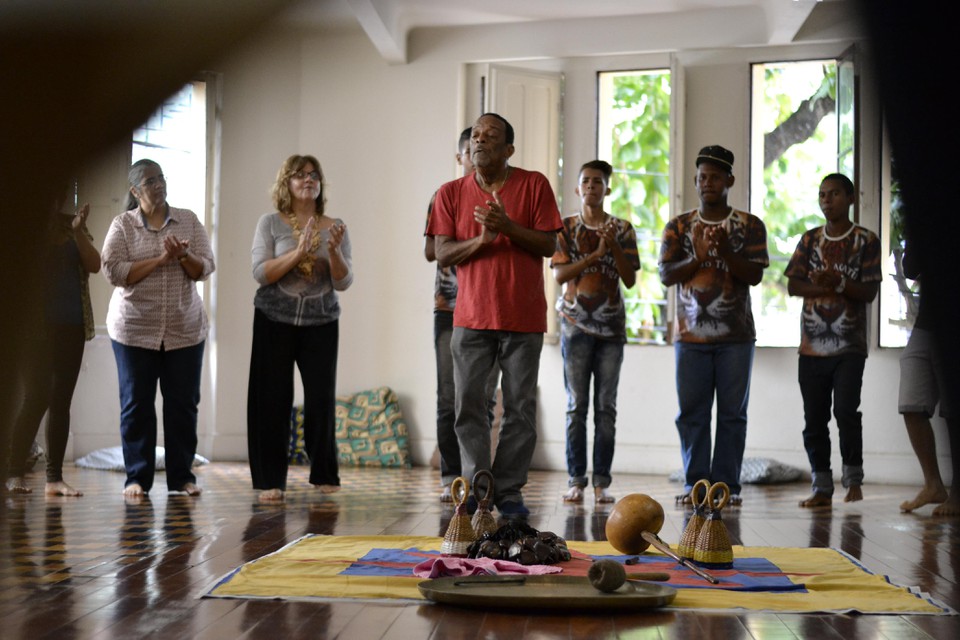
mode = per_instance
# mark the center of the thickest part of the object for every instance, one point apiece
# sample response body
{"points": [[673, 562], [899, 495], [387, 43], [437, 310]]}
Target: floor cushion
{"points": [[371, 431]]}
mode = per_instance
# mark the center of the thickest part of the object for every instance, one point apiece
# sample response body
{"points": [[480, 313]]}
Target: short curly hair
{"points": [[280, 191]]}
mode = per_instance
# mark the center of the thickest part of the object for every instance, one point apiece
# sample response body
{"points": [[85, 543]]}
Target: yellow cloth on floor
{"points": [[311, 568]]}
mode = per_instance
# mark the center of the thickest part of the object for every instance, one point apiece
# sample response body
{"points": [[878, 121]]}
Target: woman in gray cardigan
{"points": [[301, 258]]}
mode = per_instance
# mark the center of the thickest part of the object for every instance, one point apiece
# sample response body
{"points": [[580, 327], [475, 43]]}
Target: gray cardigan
{"points": [[294, 299]]}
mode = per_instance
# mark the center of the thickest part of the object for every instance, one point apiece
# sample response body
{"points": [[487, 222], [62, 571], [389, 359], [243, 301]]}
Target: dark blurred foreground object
{"points": [[907, 42], [80, 79]]}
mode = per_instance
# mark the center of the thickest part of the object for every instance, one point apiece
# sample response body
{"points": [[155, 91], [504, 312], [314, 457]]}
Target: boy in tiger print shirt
{"points": [[836, 270]]}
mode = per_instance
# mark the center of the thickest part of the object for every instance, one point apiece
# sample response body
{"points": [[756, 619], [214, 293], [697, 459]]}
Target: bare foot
{"points": [[573, 494], [17, 484], [817, 500], [601, 496], [854, 494], [446, 496], [61, 489], [328, 488], [949, 508], [271, 495], [191, 489], [927, 495], [133, 490]]}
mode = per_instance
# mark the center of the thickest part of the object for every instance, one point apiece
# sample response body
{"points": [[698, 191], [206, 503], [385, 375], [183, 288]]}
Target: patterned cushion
{"points": [[371, 431]]}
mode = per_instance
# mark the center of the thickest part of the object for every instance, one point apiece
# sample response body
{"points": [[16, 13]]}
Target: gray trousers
{"points": [[474, 354]]}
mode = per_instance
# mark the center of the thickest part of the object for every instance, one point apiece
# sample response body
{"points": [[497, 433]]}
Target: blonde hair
{"points": [[280, 191]]}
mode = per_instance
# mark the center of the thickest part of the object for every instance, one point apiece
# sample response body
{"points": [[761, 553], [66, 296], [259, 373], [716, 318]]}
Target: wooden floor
{"points": [[96, 567]]}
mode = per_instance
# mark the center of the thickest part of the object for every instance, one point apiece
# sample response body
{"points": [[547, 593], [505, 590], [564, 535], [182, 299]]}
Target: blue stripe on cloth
{"points": [[747, 574]]}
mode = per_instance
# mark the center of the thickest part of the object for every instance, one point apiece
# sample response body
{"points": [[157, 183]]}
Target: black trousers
{"points": [[48, 386], [276, 348]]}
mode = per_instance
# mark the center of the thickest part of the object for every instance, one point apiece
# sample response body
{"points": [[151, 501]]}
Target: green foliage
{"points": [[639, 144], [639, 150], [790, 184]]}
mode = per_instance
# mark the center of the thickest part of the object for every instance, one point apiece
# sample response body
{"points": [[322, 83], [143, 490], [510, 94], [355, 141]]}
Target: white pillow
{"points": [[111, 459]]}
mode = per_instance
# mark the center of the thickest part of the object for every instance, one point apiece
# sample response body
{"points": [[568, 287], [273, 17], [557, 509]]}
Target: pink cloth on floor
{"points": [[441, 567]]}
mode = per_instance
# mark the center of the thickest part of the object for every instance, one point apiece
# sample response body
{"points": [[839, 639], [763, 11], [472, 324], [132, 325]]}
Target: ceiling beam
{"points": [[785, 19], [383, 31]]}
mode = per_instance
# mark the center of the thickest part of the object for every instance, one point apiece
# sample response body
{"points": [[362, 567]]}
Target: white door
{"points": [[532, 102]]}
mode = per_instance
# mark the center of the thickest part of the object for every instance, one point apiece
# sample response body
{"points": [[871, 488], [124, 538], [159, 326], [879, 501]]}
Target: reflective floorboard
{"points": [[98, 567]]}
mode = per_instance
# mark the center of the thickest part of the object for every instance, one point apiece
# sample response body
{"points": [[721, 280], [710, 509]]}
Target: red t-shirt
{"points": [[501, 286]]}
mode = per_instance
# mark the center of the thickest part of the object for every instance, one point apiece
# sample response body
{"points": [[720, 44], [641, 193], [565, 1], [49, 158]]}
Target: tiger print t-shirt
{"points": [[445, 285], [592, 301], [834, 324], [713, 305]]}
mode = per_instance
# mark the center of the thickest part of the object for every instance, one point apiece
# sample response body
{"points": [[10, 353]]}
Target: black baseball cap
{"points": [[717, 155]]}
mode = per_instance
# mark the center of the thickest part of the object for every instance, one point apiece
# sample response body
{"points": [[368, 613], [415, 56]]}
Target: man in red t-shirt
{"points": [[497, 225]]}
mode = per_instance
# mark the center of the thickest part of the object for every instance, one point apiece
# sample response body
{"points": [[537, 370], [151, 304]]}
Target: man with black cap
{"points": [[714, 254]]}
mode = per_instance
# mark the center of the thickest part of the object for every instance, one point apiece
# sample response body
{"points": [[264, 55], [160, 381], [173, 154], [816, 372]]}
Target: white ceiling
{"points": [[388, 23]]}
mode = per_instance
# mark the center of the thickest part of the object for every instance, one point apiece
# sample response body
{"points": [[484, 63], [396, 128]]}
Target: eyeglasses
{"points": [[301, 175], [150, 182]]}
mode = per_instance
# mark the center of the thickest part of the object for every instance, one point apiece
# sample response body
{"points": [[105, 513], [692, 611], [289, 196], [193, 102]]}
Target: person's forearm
{"points": [[539, 243], [672, 273], [805, 289], [564, 273], [860, 291], [339, 269], [276, 268], [143, 268], [89, 256], [743, 269], [624, 267], [191, 265], [453, 252]]}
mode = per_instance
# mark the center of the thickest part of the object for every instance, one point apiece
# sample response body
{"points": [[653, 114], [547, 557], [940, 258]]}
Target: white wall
{"points": [[386, 138]]}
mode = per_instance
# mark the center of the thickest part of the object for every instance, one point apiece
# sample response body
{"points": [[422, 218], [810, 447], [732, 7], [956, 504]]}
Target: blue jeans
{"points": [[704, 370], [474, 354], [840, 377], [178, 373], [584, 356], [447, 442]]}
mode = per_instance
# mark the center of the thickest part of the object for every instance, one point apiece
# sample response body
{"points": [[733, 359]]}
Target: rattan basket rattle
{"points": [[713, 548], [688, 540], [483, 520], [460, 532]]}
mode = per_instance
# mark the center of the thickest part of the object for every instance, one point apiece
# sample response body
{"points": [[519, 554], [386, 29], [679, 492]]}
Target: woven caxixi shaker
{"points": [[483, 520], [688, 540], [460, 532], [713, 548]]}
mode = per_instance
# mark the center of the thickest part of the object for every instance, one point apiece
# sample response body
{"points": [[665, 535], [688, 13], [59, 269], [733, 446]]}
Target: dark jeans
{"points": [[447, 442], [178, 372], [838, 378], [584, 357], [48, 387], [276, 348]]}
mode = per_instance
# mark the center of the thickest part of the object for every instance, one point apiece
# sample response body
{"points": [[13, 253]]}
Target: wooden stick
{"points": [[662, 546], [655, 576]]}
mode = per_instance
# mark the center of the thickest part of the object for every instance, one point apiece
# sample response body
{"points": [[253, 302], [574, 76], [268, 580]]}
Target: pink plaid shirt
{"points": [[163, 308]]}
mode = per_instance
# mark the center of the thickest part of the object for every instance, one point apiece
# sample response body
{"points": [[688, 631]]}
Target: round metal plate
{"points": [[543, 592]]}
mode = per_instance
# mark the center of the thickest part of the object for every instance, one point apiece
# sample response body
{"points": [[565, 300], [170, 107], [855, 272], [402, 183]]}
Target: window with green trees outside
{"points": [[633, 135], [800, 131]]}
